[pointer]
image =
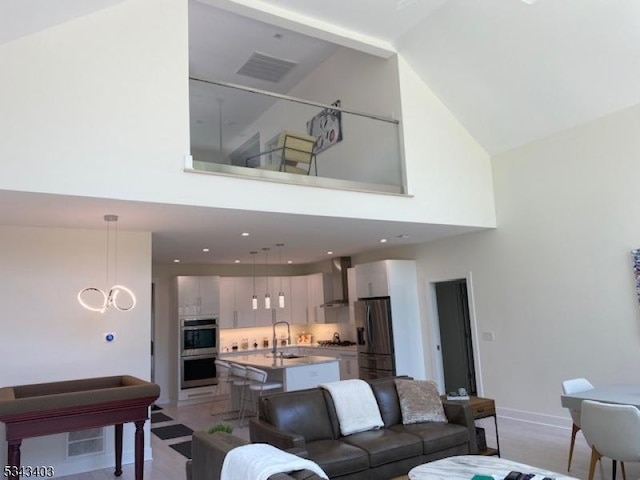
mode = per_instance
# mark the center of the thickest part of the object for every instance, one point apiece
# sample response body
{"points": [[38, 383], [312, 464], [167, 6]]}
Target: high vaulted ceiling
{"points": [[510, 71]]}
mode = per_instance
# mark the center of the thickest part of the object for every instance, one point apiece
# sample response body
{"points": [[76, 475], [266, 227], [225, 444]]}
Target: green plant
{"points": [[221, 427]]}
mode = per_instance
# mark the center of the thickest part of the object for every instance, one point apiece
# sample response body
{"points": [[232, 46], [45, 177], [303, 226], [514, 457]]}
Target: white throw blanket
{"points": [[258, 461], [355, 404]]}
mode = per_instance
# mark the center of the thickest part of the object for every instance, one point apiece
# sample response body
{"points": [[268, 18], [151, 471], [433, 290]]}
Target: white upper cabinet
{"points": [[227, 302], [353, 293], [316, 287], [372, 280], [198, 296], [245, 314], [299, 300], [235, 302]]}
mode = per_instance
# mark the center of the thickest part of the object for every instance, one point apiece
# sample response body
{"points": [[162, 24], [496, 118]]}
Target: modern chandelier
{"points": [[267, 296], [110, 298]]}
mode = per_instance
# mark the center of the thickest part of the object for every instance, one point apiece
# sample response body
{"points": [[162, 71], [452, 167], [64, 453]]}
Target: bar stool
{"points": [[223, 372], [239, 383], [256, 386]]}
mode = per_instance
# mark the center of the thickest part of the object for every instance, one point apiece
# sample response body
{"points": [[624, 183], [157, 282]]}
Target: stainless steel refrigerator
{"points": [[374, 332]]}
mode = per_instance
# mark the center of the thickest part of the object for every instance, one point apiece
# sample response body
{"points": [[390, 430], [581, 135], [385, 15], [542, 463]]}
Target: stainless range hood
{"points": [[339, 294]]}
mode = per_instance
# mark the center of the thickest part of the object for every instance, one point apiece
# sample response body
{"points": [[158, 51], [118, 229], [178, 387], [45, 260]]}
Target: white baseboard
{"points": [[531, 417], [97, 462]]}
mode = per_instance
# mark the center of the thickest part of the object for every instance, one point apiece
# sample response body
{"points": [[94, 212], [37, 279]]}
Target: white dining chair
{"points": [[612, 431], [575, 385]]}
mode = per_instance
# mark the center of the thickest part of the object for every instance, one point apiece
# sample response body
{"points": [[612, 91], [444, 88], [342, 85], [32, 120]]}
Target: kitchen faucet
{"points": [[275, 340]]}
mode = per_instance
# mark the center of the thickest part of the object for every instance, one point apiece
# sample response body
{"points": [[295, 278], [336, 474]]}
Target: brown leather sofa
{"points": [[208, 452], [306, 420]]}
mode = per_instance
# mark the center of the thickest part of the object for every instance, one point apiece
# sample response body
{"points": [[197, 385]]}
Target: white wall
{"points": [[95, 104], [446, 169], [46, 336], [554, 282]]}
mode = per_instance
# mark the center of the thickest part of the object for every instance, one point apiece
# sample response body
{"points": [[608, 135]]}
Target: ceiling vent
{"points": [[265, 67]]}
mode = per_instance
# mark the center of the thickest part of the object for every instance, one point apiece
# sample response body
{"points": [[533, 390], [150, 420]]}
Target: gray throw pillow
{"points": [[420, 401]]}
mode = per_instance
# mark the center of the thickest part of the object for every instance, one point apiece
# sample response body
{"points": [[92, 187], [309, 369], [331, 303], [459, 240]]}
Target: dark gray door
{"points": [[455, 336]]}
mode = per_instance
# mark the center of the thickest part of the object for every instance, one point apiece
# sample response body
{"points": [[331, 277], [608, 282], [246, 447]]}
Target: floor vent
{"points": [[265, 67], [85, 442]]}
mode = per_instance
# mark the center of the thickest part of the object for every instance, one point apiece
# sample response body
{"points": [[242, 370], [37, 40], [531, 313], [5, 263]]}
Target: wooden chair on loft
{"points": [[296, 152]]}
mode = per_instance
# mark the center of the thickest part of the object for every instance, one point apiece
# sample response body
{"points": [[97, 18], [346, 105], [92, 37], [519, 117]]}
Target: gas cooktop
{"points": [[335, 343]]}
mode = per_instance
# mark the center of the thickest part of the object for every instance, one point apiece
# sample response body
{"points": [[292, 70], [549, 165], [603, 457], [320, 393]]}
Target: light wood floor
{"points": [[542, 446]]}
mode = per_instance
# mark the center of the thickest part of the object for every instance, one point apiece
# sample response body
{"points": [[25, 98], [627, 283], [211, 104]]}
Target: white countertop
{"points": [[260, 360], [252, 351]]}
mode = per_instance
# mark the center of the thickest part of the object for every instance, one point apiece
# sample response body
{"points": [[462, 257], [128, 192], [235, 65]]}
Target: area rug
{"points": [[183, 448], [172, 431], [159, 417]]}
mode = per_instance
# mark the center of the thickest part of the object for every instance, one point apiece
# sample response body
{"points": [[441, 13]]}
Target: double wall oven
{"points": [[199, 343]]}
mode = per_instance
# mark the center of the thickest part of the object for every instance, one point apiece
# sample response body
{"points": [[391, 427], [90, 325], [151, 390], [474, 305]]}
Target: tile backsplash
{"points": [[258, 334]]}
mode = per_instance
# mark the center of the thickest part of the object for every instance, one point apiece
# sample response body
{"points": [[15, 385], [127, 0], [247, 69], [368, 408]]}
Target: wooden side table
{"points": [[485, 408]]}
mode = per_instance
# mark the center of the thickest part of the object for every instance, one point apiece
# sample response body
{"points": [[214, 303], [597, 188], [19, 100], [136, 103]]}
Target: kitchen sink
{"points": [[287, 355]]}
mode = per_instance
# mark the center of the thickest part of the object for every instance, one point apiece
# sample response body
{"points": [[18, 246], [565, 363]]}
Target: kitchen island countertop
{"points": [[294, 373], [260, 360]]}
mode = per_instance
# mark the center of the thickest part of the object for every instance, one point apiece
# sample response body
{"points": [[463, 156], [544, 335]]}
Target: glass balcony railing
{"points": [[242, 131]]}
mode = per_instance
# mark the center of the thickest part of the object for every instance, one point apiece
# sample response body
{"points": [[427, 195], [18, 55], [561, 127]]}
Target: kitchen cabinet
{"points": [[235, 302], [198, 296], [351, 283], [348, 365], [348, 359], [372, 280], [298, 299], [317, 282]]}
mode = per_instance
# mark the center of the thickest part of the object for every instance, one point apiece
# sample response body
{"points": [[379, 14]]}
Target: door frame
{"points": [[433, 322]]}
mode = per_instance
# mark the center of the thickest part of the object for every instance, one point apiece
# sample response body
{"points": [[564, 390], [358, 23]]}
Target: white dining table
{"points": [[622, 394]]}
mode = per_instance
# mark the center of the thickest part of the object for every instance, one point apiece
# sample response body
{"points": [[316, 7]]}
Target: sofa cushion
{"points": [[436, 436], [303, 412], [384, 389], [419, 401], [337, 458], [386, 446]]}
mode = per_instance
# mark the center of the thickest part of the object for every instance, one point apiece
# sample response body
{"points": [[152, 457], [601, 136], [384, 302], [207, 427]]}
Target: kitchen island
{"points": [[294, 373]]}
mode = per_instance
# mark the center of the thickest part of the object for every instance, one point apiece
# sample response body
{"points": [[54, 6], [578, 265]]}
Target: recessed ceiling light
{"points": [[236, 261], [383, 240], [245, 234], [289, 261], [329, 252], [205, 249], [177, 260]]}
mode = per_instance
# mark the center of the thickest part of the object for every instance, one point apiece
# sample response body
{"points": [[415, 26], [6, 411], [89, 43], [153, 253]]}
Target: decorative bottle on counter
{"points": [[255, 344]]}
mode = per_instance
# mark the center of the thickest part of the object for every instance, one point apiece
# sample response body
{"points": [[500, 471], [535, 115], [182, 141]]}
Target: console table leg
{"points": [[118, 446], [139, 449], [495, 422], [13, 456]]}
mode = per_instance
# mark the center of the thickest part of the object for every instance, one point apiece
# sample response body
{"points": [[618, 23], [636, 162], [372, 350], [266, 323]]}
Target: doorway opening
{"points": [[456, 342]]}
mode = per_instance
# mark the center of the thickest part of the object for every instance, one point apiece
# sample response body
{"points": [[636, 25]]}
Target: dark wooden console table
{"points": [[48, 408]]}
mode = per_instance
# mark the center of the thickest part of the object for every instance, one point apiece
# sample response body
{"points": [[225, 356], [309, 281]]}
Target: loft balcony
{"points": [[246, 132]]}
